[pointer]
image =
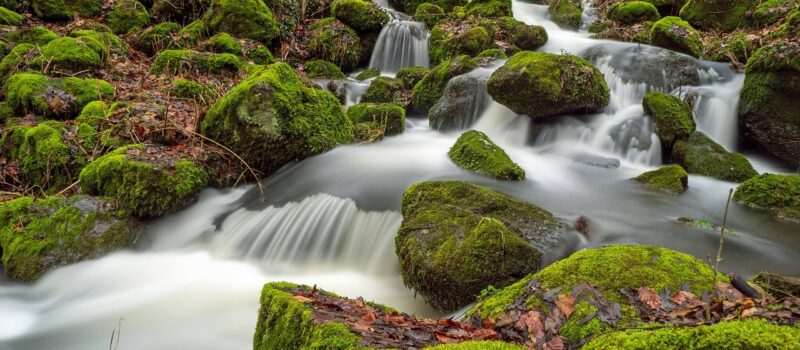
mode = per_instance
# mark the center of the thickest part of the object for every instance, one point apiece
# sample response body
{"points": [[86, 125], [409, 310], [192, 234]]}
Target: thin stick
{"points": [[722, 230]]}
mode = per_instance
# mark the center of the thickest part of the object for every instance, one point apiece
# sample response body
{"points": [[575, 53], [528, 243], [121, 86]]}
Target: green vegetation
{"points": [[449, 39], [368, 74], [488, 8], [45, 158], [479, 345], [28, 93], [126, 16], [334, 41], [672, 116], [566, 13], [183, 61], [250, 19], [718, 14], [476, 152], [37, 35], [8, 17], [378, 119], [410, 76], [779, 194], [71, 54], [633, 12], [671, 179], [361, 15], [183, 88], [63, 10], [383, 90], [528, 37], [153, 39], [223, 43], [676, 34], [700, 155], [428, 90], [182, 11], [491, 54], [428, 13], [323, 69]]}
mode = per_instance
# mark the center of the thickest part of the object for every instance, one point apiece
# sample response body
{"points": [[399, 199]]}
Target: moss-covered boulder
{"points": [[250, 19], [384, 90], [633, 12], [334, 41], [10, 18], [36, 35], [718, 14], [183, 88], [272, 118], [566, 13], [322, 69], [154, 39], [186, 61], [457, 238], [735, 335], [193, 33], [474, 151], [410, 76], [778, 194], [544, 85], [672, 116], [491, 55], [63, 10], [428, 13], [71, 54], [488, 8], [94, 128], [56, 98], [452, 38], [428, 90], [368, 74], [223, 43], [143, 186], [700, 155], [671, 179], [127, 15], [361, 15], [529, 37], [182, 11], [39, 235], [676, 34], [769, 110], [375, 120]]}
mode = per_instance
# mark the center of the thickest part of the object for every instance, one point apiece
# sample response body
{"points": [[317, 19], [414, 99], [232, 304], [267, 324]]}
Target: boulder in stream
{"points": [[476, 152], [566, 13], [457, 238], [700, 155], [461, 105], [671, 179], [428, 90], [652, 65], [778, 194], [543, 85], [676, 34], [37, 235], [672, 116], [458, 37]]}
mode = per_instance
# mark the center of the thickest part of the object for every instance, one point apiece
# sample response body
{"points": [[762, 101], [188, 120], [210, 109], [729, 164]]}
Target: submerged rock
{"points": [[457, 238], [700, 155], [545, 85], [676, 34], [461, 104], [778, 194], [272, 118], [672, 116], [671, 179], [476, 152], [39, 235]]}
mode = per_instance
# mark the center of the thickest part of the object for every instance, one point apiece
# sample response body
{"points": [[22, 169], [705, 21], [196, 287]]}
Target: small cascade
{"points": [[319, 231], [464, 100], [502, 124], [401, 43], [715, 108]]}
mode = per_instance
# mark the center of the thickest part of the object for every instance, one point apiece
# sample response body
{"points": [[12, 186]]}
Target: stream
{"points": [[194, 279]]}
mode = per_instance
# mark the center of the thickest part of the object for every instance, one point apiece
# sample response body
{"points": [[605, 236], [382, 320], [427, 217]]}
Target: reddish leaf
{"points": [[566, 303], [685, 298], [649, 297]]}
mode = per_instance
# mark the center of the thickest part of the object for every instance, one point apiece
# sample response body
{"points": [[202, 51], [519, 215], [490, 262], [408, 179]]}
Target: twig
{"points": [[68, 187], [722, 230]]}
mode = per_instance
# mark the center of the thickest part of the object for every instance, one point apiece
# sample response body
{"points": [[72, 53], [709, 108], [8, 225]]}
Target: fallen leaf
{"points": [[566, 303], [303, 299], [649, 297]]}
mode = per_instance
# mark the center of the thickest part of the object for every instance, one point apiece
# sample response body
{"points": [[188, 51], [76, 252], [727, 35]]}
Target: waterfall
{"points": [[401, 43], [715, 109]]}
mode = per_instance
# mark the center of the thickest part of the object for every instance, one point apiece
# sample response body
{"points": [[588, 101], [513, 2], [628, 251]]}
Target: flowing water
{"points": [[193, 281]]}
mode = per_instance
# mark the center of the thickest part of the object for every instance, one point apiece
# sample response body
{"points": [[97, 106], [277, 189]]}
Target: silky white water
{"points": [[193, 281]]}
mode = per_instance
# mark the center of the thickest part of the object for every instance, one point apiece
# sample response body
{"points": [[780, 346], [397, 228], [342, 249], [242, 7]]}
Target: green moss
{"points": [[491, 54], [8, 17], [361, 15], [272, 118], [428, 13], [779, 194], [733, 335], [734, 48], [476, 152], [64, 10], [183, 88], [449, 39], [46, 159], [127, 15], [94, 128], [259, 55], [428, 90], [101, 42], [142, 188], [6, 112], [676, 34], [700, 155], [566, 13], [671, 179], [633, 12], [37, 35], [16, 5], [334, 41], [544, 85], [382, 119], [185, 61], [488, 8], [528, 37], [26, 93], [181, 11], [456, 239], [383, 90], [410, 76], [223, 43], [38, 235], [153, 39], [71, 54], [718, 14], [192, 33], [479, 345], [600, 26], [368, 74], [672, 116], [323, 69], [772, 11], [250, 19]]}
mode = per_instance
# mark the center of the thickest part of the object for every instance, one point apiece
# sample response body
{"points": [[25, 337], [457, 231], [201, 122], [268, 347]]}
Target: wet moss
{"points": [[273, 118], [672, 116], [633, 12], [718, 14], [39, 235], [529, 37], [566, 13], [37, 35], [700, 155], [250, 19], [476, 152], [676, 34], [778, 194], [142, 188], [223, 43], [156, 38], [323, 69], [361, 15], [428, 90], [377, 119], [383, 90], [28, 94], [64, 10], [334, 41], [545, 85], [671, 179], [8, 17], [185, 61], [368, 74], [428, 13], [126, 16], [449, 40]]}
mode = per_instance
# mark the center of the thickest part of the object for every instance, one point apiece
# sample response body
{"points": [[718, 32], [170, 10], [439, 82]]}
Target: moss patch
{"points": [[376, 120], [223, 43], [156, 38], [676, 34], [671, 179], [250, 19], [368, 74], [479, 345], [700, 155], [673, 117], [718, 14], [183, 88], [61, 98], [185, 61], [383, 90], [566, 13], [37, 35], [323, 69], [334, 41], [476, 152], [428, 13], [452, 38], [410, 76], [780, 194], [127, 15], [361, 15], [428, 90], [529, 37], [71, 54], [8, 17], [633, 12], [63, 10]]}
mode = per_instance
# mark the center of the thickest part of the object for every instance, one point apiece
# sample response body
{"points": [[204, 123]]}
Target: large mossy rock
{"points": [[285, 322], [734, 335], [271, 118], [769, 108], [428, 90], [250, 19], [385, 90], [457, 238], [672, 116], [700, 155], [55, 98], [176, 62], [718, 14], [64, 10], [38, 35], [528, 37], [361, 15], [143, 186], [372, 121], [778, 194], [127, 15], [9, 17], [566, 13], [545, 85], [334, 41], [633, 12], [676, 34], [671, 179], [71, 54], [39, 235], [451, 38], [474, 151], [154, 39]]}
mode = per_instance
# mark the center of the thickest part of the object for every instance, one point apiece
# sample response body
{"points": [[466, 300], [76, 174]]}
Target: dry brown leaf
{"points": [[649, 297], [566, 303]]}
